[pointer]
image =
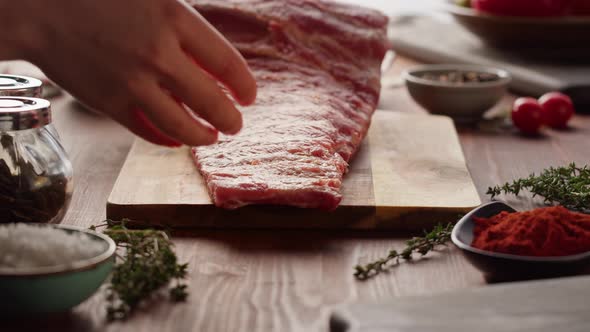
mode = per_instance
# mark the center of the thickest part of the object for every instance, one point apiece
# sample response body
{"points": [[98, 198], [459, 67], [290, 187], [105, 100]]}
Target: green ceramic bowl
{"points": [[56, 288]]}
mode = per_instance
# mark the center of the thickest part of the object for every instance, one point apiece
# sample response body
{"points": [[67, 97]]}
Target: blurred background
{"points": [[542, 51], [542, 54], [397, 6]]}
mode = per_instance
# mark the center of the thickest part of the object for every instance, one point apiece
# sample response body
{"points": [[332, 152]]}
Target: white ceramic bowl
{"points": [[465, 102]]}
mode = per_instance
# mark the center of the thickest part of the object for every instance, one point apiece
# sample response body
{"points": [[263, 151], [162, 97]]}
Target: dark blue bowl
{"points": [[506, 267]]}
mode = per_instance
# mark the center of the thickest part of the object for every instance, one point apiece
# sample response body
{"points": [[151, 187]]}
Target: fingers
{"points": [[173, 120], [214, 53], [116, 105], [136, 121], [201, 94]]}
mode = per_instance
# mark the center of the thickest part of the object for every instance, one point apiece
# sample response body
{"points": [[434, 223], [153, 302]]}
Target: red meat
{"points": [[317, 65]]}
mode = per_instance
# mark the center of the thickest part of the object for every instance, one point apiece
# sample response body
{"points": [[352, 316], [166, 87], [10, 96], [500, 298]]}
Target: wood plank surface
{"points": [[290, 280], [540, 306], [410, 174]]}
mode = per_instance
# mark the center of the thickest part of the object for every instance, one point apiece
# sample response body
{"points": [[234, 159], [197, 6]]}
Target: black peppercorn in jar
{"points": [[20, 86], [35, 172]]}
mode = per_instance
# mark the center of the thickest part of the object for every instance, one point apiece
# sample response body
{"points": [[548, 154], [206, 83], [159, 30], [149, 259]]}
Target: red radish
{"points": [[557, 109], [523, 7], [527, 115]]}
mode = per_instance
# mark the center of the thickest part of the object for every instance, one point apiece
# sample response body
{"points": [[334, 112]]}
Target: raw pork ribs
{"points": [[317, 65]]}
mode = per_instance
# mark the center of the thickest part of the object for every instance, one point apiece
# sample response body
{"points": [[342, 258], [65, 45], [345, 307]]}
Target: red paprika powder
{"points": [[551, 231]]}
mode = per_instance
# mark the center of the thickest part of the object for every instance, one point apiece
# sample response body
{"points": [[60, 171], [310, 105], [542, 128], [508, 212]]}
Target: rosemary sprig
{"points": [[568, 186], [145, 264], [440, 235]]}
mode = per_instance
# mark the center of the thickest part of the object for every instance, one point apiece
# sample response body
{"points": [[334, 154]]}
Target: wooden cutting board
{"points": [[410, 174], [539, 306]]}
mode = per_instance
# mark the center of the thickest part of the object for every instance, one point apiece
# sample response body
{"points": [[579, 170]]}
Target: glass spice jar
{"points": [[35, 172], [20, 86]]}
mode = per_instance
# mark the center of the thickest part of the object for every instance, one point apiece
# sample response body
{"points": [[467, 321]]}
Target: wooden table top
{"points": [[285, 280]]}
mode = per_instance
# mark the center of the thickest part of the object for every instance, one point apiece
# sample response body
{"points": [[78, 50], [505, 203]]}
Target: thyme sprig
{"points": [[439, 236], [146, 262], [568, 186]]}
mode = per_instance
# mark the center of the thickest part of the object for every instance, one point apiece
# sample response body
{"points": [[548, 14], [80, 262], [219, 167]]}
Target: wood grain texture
{"points": [[289, 280], [541, 306], [410, 167]]}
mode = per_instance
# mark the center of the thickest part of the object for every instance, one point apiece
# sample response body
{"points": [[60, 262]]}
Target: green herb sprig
{"points": [[568, 186], [439, 236], [146, 262]]}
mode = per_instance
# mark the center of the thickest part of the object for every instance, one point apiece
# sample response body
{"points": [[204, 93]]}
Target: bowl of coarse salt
{"points": [[48, 268]]}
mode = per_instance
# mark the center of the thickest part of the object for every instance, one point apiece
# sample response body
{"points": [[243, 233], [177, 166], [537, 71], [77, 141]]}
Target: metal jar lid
{"points": [[19, 86], [21, 113]]}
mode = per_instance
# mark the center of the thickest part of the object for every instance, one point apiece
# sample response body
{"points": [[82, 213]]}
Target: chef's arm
{"points": [[136, 61]]}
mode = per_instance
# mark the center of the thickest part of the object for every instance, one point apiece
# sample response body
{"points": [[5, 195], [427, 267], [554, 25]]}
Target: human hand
{"points": [[134, 59]]}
